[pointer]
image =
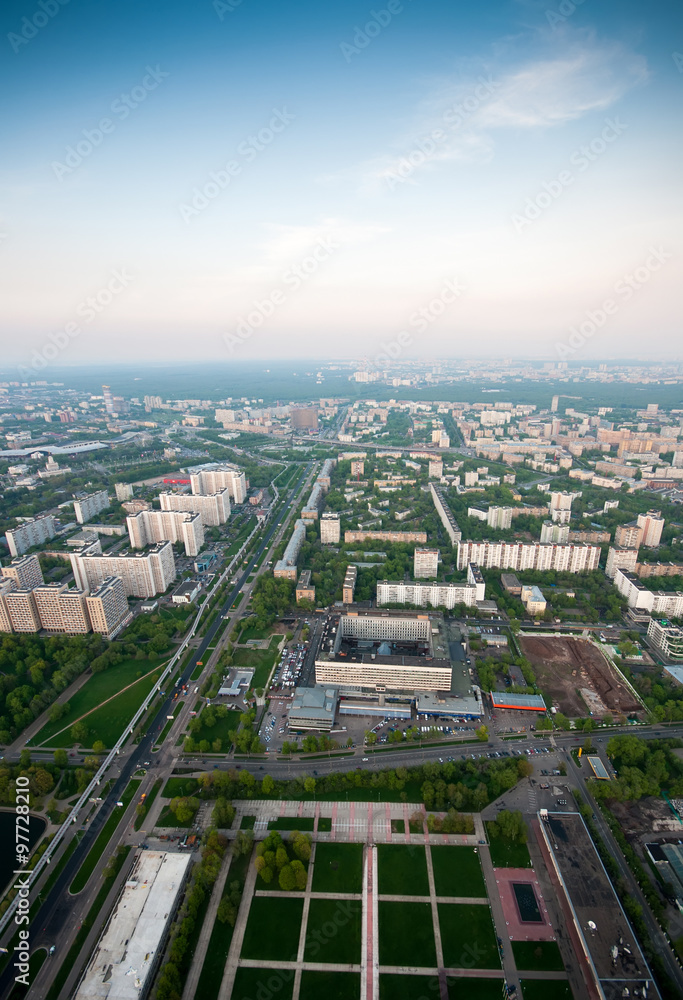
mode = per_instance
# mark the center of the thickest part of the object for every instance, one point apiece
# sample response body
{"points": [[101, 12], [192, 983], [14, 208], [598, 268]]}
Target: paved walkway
{"points": [[509, 967], [443, 988], [207, 929]]}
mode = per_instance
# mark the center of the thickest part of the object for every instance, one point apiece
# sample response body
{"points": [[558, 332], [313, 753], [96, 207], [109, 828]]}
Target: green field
{"points": [[395, 987], [324, 824], [179, 786], [250, 983], [168, 819], [261, 660], [402, 870], [211, 976], [223, 730], [508, 853], [537, 956], [468, 936], [330, 985], [273, 929], [334, 931], [96, 690], [338, 867], [304, 824], [103, 838], [406, 934], [457, 872], [539, 989]]}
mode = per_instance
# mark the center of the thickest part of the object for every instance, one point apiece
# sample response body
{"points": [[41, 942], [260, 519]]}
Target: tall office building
{"points": [[143, 574], [330, 528], [425, 563], [225, 477], [148, 526], [25, 572], [30, 533], [652, 524], [214, 508], [87, 507]]}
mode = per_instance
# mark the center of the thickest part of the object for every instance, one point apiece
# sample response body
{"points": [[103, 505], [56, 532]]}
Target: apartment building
{"points": [[107, 607], [330, 528], [124, 491], [435, 469], [667, 638], [87, 507], [385, 536], [349, 585], [25, 572], [22, 611], [209, 481], [657, 602], [529, 555], [143, 574], [37, 531], [285, 568], [61, 609], [554, 534], [620, 559], [436, 595], [6, 587], [425, 563], [628, 536], [149, 526], [305, 591], [214, 508], [652, 525], [445, 514]]}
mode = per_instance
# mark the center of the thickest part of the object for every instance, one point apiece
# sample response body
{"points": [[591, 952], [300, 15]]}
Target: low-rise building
{"points": [[305, 591], [313, 708], [533, 600]]}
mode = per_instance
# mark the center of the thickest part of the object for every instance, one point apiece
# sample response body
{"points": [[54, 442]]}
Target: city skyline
{"points": [[237, 181]]}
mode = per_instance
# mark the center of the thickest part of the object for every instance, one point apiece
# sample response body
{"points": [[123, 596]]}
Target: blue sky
{"points": [[258, 179]]}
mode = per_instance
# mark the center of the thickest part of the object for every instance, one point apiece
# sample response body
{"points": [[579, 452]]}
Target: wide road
{"points": [[56, 911]]}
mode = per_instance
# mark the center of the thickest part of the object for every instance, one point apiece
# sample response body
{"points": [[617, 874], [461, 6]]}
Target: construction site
{"points": [[576, 678]]}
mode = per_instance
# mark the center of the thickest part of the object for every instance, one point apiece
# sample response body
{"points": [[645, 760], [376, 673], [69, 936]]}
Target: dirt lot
{"points": [[573, 674], [639, 820]]}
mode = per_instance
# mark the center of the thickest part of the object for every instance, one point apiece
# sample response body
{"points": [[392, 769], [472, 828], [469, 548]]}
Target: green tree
{"points": [[482, 734], [61, 758]]}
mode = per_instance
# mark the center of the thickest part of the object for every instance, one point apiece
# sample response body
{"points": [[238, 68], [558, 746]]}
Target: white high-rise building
{"points": [[25, 572], [571, 558], [330, 528], [425, 563], [652, 524], [30, 533], [214, 508], [213, 480], [620, 559], [148, 526], [124, 491], [143, 574], [554, 533], [87, 507]]}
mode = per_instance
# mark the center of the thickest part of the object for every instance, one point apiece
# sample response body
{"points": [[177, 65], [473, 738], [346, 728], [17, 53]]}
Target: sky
{"points": [[246, 179]]}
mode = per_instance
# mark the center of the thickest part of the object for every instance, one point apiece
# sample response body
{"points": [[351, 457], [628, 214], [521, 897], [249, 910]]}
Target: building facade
{"points": [[529, 555], [87, 507], [25, 572], [214, 508], [149, 526], [330, 528], [143, 574], [209, 481], [34, 532], [425, 563]]}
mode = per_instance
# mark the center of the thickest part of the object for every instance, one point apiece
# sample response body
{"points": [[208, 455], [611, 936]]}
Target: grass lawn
{"points": [[395, 987], [211, 976], [334, 931], [222, 730], [331, 985], [262, 660], [476, 989], [247, 823], [325, 824], [457, 872], [273, 929], [179, 786], [398, 826], [537, 956], [468, 936], [338, 868], [508, 853], [402, 870], [168, 818], [96, 690], [539, 989], [406, 934], [103, 838], [412, 792], [304, 824], [250, 983]]}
